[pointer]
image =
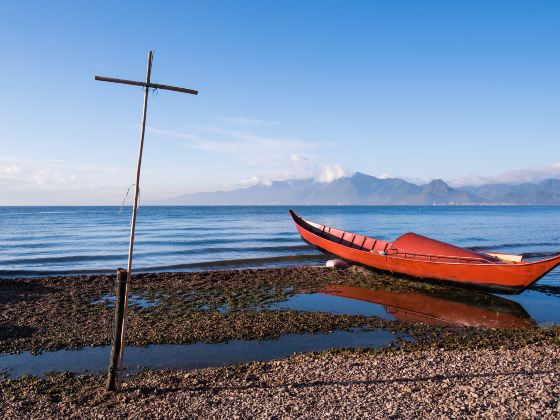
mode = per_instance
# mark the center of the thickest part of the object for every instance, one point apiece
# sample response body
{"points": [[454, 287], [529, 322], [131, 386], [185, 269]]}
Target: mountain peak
{"points": [[550, 182], [361, 175], [437, 186]]}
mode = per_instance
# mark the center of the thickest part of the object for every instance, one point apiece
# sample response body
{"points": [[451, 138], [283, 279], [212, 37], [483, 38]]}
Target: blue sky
{"points": [[467, 91]]}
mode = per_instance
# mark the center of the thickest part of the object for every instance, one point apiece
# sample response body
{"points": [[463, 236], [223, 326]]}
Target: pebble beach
{"points": [[499, 383], [431, 371]]}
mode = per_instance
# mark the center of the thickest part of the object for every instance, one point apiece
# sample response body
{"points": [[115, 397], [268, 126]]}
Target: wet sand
{"points": [[443, 369]]}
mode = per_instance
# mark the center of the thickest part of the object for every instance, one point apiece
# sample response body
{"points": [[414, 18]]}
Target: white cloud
{"points": [[299, 159], [273, 154], [519, 176], [249, 138], [247, 121], [53, 179], [252, 181], [176, 134], [330, 173], [322, 174], [43, 182], [9, 168], [40, 181]]}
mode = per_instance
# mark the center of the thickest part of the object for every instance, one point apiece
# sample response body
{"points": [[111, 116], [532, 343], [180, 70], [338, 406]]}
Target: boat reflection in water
{"points": [[441, 307]]}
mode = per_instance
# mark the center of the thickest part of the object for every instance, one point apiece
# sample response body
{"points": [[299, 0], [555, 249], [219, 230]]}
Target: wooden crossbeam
{"points": [[144, 84]]}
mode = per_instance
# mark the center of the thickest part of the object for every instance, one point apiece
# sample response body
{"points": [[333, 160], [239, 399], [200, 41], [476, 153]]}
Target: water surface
{"points": [[76, 240], [436, 306], [189, 356]]}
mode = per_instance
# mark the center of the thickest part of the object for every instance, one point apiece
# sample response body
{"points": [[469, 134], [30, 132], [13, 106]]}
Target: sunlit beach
{"points": [[280, 210]]}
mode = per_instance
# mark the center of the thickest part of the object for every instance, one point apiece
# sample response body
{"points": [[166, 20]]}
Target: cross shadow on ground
{"points": [[145, 390]]}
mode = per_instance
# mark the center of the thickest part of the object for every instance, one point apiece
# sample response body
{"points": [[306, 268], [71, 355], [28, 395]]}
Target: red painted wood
{"points": [[463, 268]]}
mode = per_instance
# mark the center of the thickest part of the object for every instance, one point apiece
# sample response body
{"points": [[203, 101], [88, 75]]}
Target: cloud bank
{"points": [[519, 176], [252, 156], [329, 174]]}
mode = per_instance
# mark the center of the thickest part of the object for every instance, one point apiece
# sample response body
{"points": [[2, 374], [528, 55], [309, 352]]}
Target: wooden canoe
{"points": [[426, 258]]}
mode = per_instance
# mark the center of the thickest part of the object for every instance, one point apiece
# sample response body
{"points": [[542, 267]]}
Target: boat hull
{"points": [[510, 278]]}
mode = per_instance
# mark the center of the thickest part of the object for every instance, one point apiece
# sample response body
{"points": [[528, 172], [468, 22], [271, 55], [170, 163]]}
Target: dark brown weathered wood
{"points": [[135, 204], [120, 289], [173, 88], [144, 84], [123, 81]]}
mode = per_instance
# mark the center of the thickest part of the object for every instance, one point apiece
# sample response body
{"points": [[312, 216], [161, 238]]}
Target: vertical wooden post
{"points": [[120, 288], [135, 205]]}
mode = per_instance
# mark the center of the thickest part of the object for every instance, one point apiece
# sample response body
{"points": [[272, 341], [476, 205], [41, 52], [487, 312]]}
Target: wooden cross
{"points": [[117, 349]]}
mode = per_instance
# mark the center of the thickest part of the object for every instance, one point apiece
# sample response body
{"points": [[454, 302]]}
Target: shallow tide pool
{"points": [[442, 306], [189, 356]]}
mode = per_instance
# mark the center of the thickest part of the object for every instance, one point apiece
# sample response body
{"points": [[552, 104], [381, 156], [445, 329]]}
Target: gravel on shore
{"points": [[446, 371], [427, 383]]}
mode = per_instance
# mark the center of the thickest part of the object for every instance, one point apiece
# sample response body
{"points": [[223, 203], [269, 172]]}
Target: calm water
{"points": [[60, 240], [189, 356]]}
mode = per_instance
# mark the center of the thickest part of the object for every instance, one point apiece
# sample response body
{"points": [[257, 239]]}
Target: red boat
{"points": [[426, 258]]}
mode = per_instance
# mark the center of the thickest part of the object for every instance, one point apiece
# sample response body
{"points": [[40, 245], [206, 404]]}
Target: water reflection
{"points": [[438, 306], [442, 306]]}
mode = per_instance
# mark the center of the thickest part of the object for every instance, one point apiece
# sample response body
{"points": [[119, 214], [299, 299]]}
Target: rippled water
{"points": [[59, 240]]}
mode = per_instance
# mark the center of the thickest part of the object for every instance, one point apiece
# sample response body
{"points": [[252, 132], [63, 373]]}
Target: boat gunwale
{"points": [[395, 256]]}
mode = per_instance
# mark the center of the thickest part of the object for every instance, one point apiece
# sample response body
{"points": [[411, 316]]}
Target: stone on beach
{"points": [[429, 383], [337, 264], [441, 372]]}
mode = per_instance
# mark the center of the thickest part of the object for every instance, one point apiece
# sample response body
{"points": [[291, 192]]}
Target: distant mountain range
{"points": [[362, 189]]}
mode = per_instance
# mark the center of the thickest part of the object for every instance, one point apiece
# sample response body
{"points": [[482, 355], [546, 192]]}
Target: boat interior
{"points": [[408, 246], [348, 239]]}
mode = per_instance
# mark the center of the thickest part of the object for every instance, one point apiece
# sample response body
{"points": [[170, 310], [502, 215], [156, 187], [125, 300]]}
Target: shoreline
{"points": [[222, 265], [50, 313]]}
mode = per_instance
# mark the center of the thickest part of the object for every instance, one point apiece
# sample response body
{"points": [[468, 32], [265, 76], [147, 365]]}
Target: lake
{"points": [[78, 240]]}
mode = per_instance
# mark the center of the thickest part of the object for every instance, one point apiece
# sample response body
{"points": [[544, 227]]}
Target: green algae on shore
{"points": [[216, 306]]}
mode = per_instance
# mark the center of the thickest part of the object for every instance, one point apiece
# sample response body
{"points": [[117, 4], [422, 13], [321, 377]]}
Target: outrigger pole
{"points": [[123, 277]]}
